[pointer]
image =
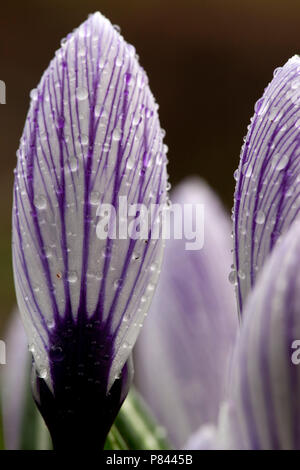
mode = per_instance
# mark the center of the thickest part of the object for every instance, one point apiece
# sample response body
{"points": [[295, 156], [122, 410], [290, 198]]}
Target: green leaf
{"points": [[135, 428], [114, 440], [34, 432]]}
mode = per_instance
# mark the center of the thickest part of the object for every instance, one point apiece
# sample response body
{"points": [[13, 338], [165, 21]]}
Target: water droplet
{"points": [[118, 283], [276, 71], [95, 198], [236, 174], [101, 63], [247, 170], [84, 139], [151, 287], [135, 120], [260, 217], [129, 164], [274, 115], [295, 84], [280, 161], [261, 106], [34, 94], [51, 324], [72, 277], [31, 348], [40, 202], [42, 373], [73, 163], [153, 267], [117, 28], [48, 252], [56, 353], [116, 135], [232, 277], [82, 93], [119, 61]]}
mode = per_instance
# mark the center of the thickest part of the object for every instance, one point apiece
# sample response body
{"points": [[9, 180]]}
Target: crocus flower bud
{"points": [[267, 192], [92, 142]]}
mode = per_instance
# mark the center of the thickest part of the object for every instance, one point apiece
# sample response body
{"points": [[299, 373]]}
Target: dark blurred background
{"points": [[208, 61]]}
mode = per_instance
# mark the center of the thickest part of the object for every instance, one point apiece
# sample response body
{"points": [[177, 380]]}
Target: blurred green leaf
{"points": [[135, 428], [115, 441], [34, 433]]}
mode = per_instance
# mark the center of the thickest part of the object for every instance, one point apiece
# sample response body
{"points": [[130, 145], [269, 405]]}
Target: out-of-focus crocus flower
{"points": [[13, 379], [22, 424], [182, 355], [267, 196], [203, 439], [92, 135], [265, 388]]}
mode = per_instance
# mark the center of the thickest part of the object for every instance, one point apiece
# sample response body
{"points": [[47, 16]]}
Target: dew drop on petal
{"points": [[95, 198], [51, 324], [42, 373], [282, 163], [260, 217], [84, 139], [40, 202], [82, 93], [73, 163], [232, 277], [116, 135], [34, 94], [56, 353], [72, 277]]}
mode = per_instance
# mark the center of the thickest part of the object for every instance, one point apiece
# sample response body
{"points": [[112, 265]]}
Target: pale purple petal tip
{"points": [[182, 354], [267, 196]]}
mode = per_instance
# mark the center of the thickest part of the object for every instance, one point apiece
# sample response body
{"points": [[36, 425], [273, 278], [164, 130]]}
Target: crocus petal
{"points": [[265, 387], [92, 135], [267, 196], [181, 356], [13, 381]]}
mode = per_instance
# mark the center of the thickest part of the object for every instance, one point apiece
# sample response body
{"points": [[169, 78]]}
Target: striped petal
{"points": [[92, 136], [267, 196], [265, 386], [182, 354]]}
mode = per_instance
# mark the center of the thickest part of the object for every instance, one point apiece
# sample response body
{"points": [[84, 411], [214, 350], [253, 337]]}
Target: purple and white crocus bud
{"points": [[182, 355], [92, 136], [267, 196], [265, 388]]}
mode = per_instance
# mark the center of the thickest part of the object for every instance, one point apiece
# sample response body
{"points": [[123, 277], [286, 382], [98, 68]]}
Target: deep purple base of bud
{"points": [[80, 412]]}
